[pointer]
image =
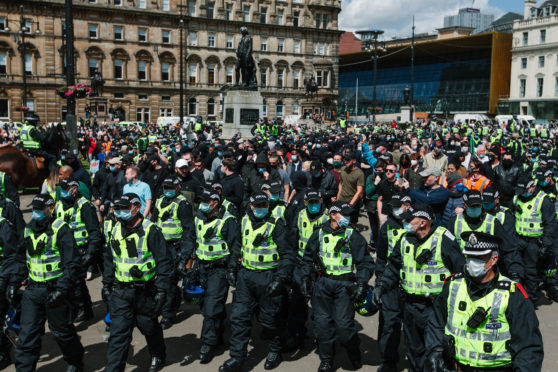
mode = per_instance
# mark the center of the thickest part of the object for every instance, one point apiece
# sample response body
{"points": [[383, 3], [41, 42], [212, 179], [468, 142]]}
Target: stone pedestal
{"points": [[406, 114], [241, 110]]}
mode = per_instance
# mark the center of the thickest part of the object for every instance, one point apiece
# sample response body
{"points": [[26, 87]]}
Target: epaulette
{"points": [[504, 285], [522, 290], [454, 276]]}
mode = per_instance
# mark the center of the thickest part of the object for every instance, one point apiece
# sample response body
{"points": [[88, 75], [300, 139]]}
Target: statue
{"points": [[311, 86], [406, 96], [245, 62], [97, 83]]}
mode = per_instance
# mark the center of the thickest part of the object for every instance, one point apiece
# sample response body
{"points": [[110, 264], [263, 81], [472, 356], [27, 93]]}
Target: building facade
{"points": [[469, 17], [135, 44], [534, 71]]}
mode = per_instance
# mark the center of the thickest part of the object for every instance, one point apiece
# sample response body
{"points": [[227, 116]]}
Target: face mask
{"points": [[543, 183], [474, 212], [533, 160], [274, 197], [526, 194], [343, 221], [316, 174], [169, 193], [125, 215], [262, 170], [464, 149], [65, 194], [260, 212], [414, 162], [38, 215], [294, 158], [219, 154], [488, 206], [314, 208], [204, 207], [475, 267], [318, 146], [397, 213], [409, 228], [482, 156], [452, 143], [460, 187], [336, 164], [507, 163], [112, 169], [130, 152]]}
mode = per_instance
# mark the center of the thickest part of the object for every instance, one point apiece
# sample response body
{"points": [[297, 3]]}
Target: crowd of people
{"points": [[461, 244]]}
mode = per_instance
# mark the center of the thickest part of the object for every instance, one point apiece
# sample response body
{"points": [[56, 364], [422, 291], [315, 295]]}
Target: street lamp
{"points": [[70, 77], [370, 37]]}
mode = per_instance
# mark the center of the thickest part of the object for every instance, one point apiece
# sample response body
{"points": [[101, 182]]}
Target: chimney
{"points": [[528, 5]]}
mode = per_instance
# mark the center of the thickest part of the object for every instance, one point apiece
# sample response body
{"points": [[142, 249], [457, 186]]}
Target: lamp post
{"points": [[181, 30], [22, 31], [371, 37], [70, 78]]}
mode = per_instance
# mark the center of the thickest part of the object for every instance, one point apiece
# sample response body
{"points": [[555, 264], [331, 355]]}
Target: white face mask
{"points": [[475, 267], [414, 162]]}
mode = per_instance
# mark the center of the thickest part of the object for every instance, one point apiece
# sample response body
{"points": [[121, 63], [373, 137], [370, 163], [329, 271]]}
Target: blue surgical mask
{"points": [[318, 145], [112, 169], [169, 193], [260, 212], [38, 215], [474, 212], [533, 160], [316, 174], [314, 208], [125, 215], [130, 152], [543, 183], [397, 213], [343, 221], [204, 207], [526, 194], [65, 194], [409, 228], [294, 158], [488, 206], [274, 197], [262, 170], [220, 154]]}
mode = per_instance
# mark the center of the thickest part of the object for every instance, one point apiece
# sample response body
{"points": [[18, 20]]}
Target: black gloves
{"points": [[86, 259], [360, 292], [181, 268], [274, 288], [3, 285], [377, 295], [159, 300], [306, 287], [435, 362], [11, 291], [55, 298], [231, 277], [105, 293]]}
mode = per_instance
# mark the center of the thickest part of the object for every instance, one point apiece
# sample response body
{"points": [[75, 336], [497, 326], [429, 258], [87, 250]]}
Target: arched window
{"points": [[192, 107], [296, 108], [211, 107], [279, 109]]}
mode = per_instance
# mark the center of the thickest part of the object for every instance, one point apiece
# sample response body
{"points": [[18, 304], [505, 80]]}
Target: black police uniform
{"points": [[12, 213]]}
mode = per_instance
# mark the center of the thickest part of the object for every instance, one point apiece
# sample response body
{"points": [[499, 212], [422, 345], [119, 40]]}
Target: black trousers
{"points": [[81, 297], [250, 293], [131, 307], [415, 318], [298, 308], [174, 297], [34, 313], [535, 265], [389, 327], [334, 318], [5, 344], [216, 288]]}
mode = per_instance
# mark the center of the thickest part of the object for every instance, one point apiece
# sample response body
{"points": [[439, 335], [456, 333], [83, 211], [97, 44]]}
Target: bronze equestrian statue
{"points": [[311, 87], [97, 84], [245, 62]]}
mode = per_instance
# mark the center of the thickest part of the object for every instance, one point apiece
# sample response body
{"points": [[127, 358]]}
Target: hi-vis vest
{"points": [[26, 139], [336, 262], [43, 255], [264, 256], [428, 278], [278, 211], [306, 228], [132, 251], [528, 221], [213, 247], [73, 217], [393, 236], [2, 185], [107, 229], [167, 218], [462, 226], [488, 345], [501, 215]]}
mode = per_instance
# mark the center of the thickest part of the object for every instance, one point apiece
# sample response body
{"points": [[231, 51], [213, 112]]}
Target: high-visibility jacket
{"points": [[211, 244], [43, 256], [528, 216], [73, 217], [393, 236], [167, 218], [462, 226], [306, 228], [264, 256], [336, 261], [479, 185], [27, 140]]}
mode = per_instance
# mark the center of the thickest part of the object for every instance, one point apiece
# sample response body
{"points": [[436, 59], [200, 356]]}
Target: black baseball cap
{"points": [[398, 199], [419, 210], [209, 195], [341, 207], [259, 197], [316, 165], [42, 201], [171, 182], [68, 182], [126, 200], [273, 187], [312, 194], [490, 194], [524, 181], [472, 197]]}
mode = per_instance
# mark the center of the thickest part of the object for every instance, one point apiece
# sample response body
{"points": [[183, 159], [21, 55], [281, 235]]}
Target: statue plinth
{"points": [[406, 114], [242, 108]]}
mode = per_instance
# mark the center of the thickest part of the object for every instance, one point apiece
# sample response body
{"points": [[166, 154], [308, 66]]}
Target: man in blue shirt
{"points": [[141, 189]]}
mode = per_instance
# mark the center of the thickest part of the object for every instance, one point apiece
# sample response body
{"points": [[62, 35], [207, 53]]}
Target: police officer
{"points": [[81, 216], [8, 189], [486, 317], [32, 140], [137, 274], [307, 220], [266, 267], [535, 223], [337, 249], [229, 207], [475, 219], [277, 206], [173, 215], [216, 236], [10, 211], [53, 262], [420, 262], [391, 312]]}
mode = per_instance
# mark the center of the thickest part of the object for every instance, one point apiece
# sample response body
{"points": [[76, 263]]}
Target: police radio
{"points": [[478, 317], [423, 257]]}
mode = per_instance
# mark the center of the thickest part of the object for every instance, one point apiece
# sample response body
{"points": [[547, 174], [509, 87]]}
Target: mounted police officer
{"points": [[337, 249], [53, 262], [81, 216], [266, 269], [482, 321], [420, 262], [136, 279], [173, 215]]}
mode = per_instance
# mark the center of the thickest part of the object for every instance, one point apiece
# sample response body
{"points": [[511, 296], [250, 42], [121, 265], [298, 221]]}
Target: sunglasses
{"points": [[390, 171]]}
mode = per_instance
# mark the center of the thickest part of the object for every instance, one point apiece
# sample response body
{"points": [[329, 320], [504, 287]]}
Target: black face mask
{"points": [[507, 163]]}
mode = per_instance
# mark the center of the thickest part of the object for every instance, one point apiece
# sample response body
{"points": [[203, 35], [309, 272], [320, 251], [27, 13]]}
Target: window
{"points": [[296, 16], [280, 45], [142, 34], [297, 46], [322, 49], [119, 95], [324, 21], [541, 61], [166, 37], [169, 112], [525, 38], [263, 46], [540, 86], [543, 36], [211, 107], [229, 74], [93, 65], [142, 70], [141, 4], [263, 15], [4, 113], [92, 31], [318, 20], [31, 104], [118, 63], [211, 40], [280, 77], [296, 78], [92, 1], [3, 63], [556, 87], [117, 2], [246, 13], [165, 5], [322, 78], [165, 111], [192, 8], [192, 73], [211, 74], [263, 76], [142, 96], [280, 17], [165, 97], [118, 33], [264, 108], [279, 109], [296, 108], [165, 71], [3, 23], [193, 38], [142, 115], [228, 12], [192, 107], [210, 9], [230, 41], [523, 63]]}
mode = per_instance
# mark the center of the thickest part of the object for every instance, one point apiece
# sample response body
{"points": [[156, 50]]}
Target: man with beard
{"points": [[436, 158], [351, 187], [431, 192], [507, 174]]}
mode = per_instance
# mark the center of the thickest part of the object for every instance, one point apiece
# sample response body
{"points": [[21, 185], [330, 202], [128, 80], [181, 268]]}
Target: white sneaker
{"points": [[89, 275]]}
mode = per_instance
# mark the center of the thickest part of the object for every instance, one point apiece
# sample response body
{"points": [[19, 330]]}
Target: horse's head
{"points": [[57, 139]]}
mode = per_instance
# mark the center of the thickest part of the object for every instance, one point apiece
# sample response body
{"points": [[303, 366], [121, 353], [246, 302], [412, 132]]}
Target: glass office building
{"points": [[466, 74]]}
